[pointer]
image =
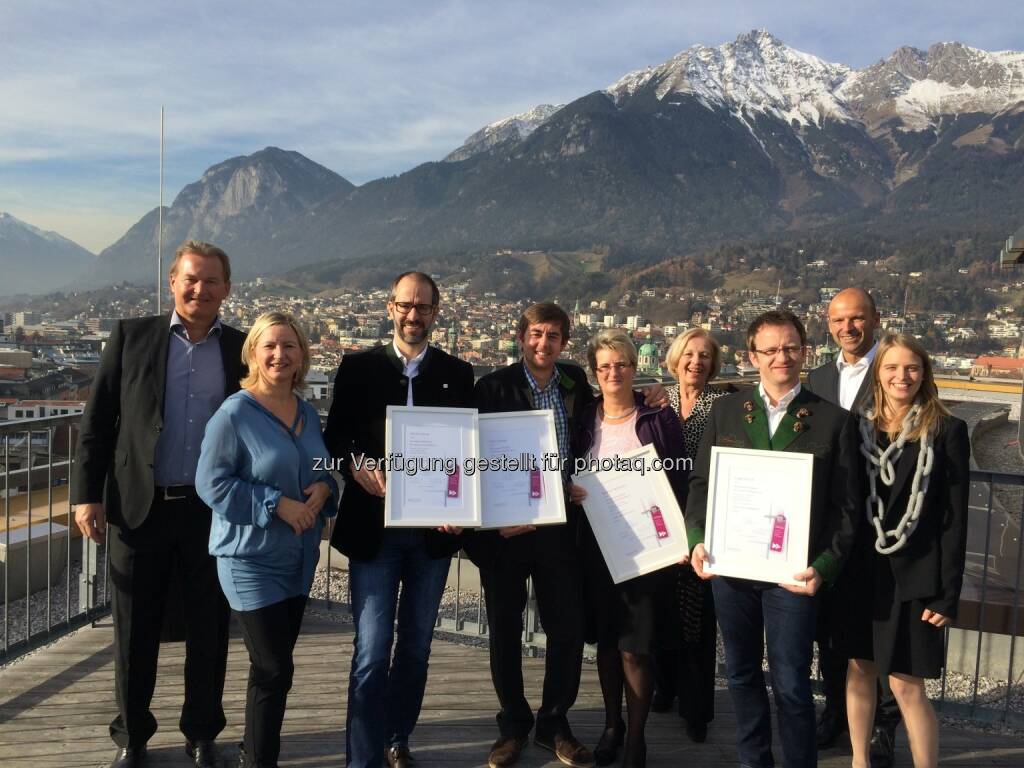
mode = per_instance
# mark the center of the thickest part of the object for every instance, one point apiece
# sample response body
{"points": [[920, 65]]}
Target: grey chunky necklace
{"points": [[881, 463]]}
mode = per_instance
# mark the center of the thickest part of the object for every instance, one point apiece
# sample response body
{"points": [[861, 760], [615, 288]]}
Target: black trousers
{"points": [[686, 666], [557, 578], [270, 634], [175, 533]]}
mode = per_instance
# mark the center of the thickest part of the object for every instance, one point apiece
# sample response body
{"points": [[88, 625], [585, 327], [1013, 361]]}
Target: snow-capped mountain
{"points": [[758, 73], [34, 260], [750, 139], [515, 127], [920, 86]]}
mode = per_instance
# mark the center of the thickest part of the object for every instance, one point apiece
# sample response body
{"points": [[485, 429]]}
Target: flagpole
{"points": [[160, 224]]}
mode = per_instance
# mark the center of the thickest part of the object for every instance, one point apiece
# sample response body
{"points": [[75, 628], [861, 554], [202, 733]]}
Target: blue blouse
{"points": [[249, 460]]}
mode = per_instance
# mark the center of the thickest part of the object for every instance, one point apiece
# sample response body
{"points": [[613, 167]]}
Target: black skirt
{"points": [[626, 615], [884, 628]]}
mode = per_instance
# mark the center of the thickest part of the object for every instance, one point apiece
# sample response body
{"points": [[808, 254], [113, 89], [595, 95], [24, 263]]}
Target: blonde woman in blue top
{"points": [[257, 472]]}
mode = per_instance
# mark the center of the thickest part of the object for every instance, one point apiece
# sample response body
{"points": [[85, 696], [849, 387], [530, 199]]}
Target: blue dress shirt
{"points": [[193, 390], [250, 459]]}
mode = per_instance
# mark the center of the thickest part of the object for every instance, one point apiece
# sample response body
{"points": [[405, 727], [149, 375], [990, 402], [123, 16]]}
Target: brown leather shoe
{"points": [[567, 749], [399, 757], [506, 751]]}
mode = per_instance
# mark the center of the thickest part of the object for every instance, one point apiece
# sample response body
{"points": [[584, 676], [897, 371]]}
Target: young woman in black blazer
{"points": [[911, 562]]}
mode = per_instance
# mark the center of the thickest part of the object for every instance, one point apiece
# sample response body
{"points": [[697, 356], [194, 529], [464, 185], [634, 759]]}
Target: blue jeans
{"points": [[385, 693], [748, 613]]}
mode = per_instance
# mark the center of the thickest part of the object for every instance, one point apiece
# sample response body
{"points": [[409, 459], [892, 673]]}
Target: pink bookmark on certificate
{"points": [[659, 523], [778, 533], [535, 484], [453, 484]]}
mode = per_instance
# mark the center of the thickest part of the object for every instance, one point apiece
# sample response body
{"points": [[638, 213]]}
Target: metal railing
{"points": [[983, 679], [39, 548], [982, 674]]}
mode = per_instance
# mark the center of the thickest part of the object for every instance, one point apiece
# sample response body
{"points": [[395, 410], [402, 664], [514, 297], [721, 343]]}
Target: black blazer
{"points": [[930, 567], [366, 384], [824, 382], [125, 413], [830, 434], [507, 389]]}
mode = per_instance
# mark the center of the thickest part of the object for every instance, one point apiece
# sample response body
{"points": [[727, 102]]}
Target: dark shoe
{"points": [[830, 725], [635, 757], [567, 749], [399, 757], [129, 757], [203, 753], [506, 751], [607, 748], [883, 747], [698, 732], [661, 702]]}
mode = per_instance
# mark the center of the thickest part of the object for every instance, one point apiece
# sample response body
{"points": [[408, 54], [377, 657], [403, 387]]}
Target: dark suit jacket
{"points": [[125, 413], [507, 389], [824, 382], [829, 433], [366, 384], [931, 565]]}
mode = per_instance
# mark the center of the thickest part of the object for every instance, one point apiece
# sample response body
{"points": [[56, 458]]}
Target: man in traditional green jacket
{"points": [[779, 415]]}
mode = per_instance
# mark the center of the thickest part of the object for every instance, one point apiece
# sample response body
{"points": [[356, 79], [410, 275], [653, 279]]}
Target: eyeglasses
{"points": [[791, 351], [607, 368], [405, 307]]}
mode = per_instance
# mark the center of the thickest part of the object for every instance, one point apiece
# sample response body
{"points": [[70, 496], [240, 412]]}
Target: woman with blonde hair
{"points": [[262, 473], [685, 658], [909, 567]]}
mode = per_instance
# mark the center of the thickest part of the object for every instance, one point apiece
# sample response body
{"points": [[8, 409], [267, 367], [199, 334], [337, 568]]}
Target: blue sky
{"points": [[367, 89]]}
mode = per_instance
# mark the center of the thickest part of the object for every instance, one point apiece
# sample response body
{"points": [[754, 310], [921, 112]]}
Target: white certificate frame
{"points": [[787, 486], [497, 510], [617, 538], [406, 425]]}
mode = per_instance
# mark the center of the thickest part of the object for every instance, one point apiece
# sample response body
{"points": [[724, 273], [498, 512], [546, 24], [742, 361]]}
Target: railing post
{"points": [[88, 580]]}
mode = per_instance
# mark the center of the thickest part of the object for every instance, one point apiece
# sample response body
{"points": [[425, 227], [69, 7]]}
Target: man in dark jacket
{"points": [[160, 380], [508, 557], [385, 693]]}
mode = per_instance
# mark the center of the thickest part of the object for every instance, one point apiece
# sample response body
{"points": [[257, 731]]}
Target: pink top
{"points": [[614, 439]]}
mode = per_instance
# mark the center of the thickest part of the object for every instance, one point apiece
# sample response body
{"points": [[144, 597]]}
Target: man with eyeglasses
{"points": [[779, 415], [386, 691]]}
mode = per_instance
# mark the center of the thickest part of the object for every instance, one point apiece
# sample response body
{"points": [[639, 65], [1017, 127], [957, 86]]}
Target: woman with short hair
{"points": [[909, 564], [262, 472], [623, 616]]}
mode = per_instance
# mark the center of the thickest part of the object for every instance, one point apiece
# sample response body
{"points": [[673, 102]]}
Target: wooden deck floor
{"points": [[55, 706]]}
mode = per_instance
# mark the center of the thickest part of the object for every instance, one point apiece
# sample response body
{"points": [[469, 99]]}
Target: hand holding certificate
{"points": [[758, 515], [634, 515]]}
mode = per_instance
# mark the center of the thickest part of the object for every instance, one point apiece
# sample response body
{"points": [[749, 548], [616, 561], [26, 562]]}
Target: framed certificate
{"points": [[427, 455], [634, 514], [520, 479], [759, 514]]}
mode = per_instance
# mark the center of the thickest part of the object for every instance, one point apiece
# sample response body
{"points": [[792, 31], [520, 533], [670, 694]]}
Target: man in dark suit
{"points": [[385, 693], [852, 320], [508, 557], [160, 380], [779, 415]]}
